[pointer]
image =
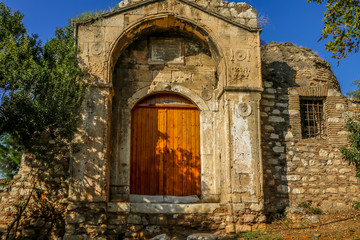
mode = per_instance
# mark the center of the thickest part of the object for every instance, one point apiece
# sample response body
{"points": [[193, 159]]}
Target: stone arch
{"points": [[126, 96], [165, 22], [180, 90]]}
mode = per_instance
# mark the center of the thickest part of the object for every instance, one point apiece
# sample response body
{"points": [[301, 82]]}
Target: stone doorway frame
{"points": [[200, 32]]}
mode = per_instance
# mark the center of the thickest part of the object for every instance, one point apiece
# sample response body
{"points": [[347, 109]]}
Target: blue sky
{"points": [[293, 21]]}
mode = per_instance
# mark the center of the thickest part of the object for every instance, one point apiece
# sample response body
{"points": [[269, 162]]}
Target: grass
{"points": [[310, 209], [257, 235], [95, 14], [355, 204]]}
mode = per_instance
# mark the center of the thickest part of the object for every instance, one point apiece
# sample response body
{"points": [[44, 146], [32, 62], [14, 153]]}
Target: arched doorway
{"points": [[165, 147]]}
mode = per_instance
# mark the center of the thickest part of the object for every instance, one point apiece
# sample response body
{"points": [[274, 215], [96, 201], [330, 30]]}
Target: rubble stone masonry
{"points": [[254, 157]]}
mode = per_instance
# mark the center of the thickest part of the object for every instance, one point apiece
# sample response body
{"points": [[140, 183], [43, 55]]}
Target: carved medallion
{"points": [[96, 49], [240, 55], [244, 109], [206, 95]]}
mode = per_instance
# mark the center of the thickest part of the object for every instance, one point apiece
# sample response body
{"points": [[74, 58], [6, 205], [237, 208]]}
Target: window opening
{"points": [[312, 118]]}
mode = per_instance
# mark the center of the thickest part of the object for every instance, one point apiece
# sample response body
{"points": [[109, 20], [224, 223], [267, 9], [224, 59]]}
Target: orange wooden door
{"points": [[165, 147]]}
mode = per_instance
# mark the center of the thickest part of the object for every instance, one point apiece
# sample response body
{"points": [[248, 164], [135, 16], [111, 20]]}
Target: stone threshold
{"points": [[133, 198], [161, 208]]}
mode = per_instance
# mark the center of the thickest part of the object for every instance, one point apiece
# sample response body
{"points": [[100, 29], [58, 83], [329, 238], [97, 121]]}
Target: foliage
{"points": [[308, 206], [355, 204], [95, 14], [257, 235], [89, 15], [10, 157], [40, 89], [352, 153], [342, 25], [355, 93]]}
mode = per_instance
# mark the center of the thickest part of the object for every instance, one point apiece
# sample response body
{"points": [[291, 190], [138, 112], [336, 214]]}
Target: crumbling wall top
{"points": [[287, 64], [240, 12]]}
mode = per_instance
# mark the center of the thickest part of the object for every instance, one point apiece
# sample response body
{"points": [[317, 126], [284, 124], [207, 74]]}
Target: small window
{"points": [[312, 118]]}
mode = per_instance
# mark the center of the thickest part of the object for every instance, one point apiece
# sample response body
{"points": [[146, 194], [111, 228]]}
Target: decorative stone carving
{"points": [[166, 50], [206, 95], [244, 109], [239, 74], [96, 49], [240, 55]]}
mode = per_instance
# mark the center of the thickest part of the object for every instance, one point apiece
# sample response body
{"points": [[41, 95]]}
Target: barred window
{"points": [[312, 118]]}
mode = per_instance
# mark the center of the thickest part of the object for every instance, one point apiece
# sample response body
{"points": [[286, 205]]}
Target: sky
{"points": [[295, 21]]}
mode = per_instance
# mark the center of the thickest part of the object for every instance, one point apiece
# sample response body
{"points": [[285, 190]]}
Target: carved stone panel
{"points": [[167, 50]]}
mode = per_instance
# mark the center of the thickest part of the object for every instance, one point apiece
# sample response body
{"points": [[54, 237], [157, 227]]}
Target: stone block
{"points": [[257, 207], [276, 119], [249, 218], [186, 199], [75, 237], [298, 190], [134, 219], [145, 199], [230, 228], [345, 170], [332, 190], [259, 227], [161, 237], [279, 149], [74, 218], [283, 189], [202, 236], [118, 207], [136, 228], [153, 229]]}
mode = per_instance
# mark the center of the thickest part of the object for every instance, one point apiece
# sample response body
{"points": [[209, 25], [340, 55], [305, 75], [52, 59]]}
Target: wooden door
{"points": [[165, 147]]}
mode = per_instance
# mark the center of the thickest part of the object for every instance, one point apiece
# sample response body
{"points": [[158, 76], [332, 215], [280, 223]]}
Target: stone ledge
{"points": [[162, 199], [156, 208]]}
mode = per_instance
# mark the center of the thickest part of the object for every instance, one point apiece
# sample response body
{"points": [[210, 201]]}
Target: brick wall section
{"points": [[297, 169]]}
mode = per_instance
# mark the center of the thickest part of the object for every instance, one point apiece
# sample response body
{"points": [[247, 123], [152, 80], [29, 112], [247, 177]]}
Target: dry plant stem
{"points": [[19, 215], [322, 224]]}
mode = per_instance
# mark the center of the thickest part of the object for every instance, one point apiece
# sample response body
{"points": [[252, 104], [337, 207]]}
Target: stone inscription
{"points": [[166, 50], [239, 73]]}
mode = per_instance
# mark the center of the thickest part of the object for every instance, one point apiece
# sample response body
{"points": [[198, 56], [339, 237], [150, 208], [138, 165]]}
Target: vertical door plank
{"points": [[141, 151], [197, 156], [161, 148], [170, 159], [175, 142], [186, 150], [189, 153], [193, 152], [180, 150], [133, 152], [138, 153], [152, 138]]}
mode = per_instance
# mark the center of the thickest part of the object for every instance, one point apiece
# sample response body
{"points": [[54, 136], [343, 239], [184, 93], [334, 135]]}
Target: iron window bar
{"points": [[312, 118]]}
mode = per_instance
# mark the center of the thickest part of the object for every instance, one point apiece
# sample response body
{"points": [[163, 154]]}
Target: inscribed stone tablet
{"points": [[166, 50]]}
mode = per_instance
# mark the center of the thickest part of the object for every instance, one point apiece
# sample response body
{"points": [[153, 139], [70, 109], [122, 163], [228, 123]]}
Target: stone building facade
{"points": [[266, 124]]}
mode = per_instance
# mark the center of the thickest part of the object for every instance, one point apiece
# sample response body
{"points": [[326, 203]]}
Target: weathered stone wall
{"points": [[216, 73], [219, 70], [90, 220], [45, 183], [295, 169], [135, 71]]}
